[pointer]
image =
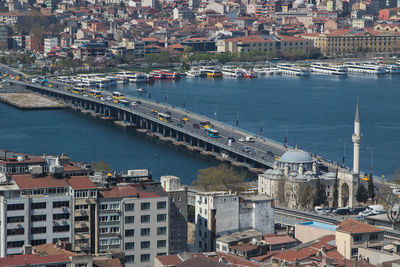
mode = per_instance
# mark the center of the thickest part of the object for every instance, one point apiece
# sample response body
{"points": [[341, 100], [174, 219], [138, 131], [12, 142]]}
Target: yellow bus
{"points": [[164, 117], [78, 91], [95, 93], [117, 96]]}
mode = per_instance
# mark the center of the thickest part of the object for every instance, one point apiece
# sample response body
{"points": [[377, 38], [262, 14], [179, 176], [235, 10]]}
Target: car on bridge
{"points": [[196, 126], [271, 154], [154, 112], [185, 119], [246, 149], [231, 139]]}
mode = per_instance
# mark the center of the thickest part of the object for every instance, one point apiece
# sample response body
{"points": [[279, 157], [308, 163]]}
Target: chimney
{"points": [[286, 170], [27, 249], [301, 169]]}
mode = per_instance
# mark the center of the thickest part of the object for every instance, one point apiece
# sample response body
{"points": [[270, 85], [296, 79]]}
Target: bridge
{"points": [[257, 155]]}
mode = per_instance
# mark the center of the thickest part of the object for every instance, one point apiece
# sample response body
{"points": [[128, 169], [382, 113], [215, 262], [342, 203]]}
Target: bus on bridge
{"points": [[211, 132], [164, 117]]}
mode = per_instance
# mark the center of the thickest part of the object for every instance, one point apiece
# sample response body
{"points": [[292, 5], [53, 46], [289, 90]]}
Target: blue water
{"points": [[316, 112]]}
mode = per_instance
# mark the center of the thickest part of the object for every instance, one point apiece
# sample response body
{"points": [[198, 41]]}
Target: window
{"points": [[161, 243], [39, 205], [129, 219], [15, 207], [161, 254], [62, 228], [38, 218], [82, 207], [145, 206], [115, 242], [114, 206], [129, 245], [103, 218], [38, 242], [103, 230], [161, 217], [103, 242], [161, 205], [130, 258], [129, 207], [373, 236], [17, 231], [354, 251], [59, 204], [114, 218], [114, 230], [130, 232], [103, 206], [161, 230], [81, 218], [145, 218], [145, 231], [145, 244], [38, 230], [15, 219], [357, 238], [15, 244], [81, 193], [145, 257], [60, 216]]}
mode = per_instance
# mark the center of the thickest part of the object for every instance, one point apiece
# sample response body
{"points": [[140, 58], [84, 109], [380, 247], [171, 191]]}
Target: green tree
{"points": [[100, 166], [371, 187], [221, 178], [319, 193], [362, 194]]}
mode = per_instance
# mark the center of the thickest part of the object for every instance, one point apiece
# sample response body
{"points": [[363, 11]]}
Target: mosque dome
{"points": [[296, 156]]}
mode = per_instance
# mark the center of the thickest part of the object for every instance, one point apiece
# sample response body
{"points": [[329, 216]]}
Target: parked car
{"points": [[357, 210], [342, 211]]}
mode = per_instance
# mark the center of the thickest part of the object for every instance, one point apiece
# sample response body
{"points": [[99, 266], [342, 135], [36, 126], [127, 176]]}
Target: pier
{"points": [[30, 101]]}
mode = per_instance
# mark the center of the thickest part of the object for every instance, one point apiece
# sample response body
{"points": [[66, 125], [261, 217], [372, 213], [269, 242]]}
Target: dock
{"points": [[29, 101]]}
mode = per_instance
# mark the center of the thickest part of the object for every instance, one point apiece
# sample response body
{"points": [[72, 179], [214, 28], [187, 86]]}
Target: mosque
{"points": [[292, 180]]}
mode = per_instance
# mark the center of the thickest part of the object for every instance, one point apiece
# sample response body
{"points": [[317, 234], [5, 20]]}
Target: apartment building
{"points": [[221, 213], [352, 235], [178, 213], [350, 41], [134, 218], [271, 44]]}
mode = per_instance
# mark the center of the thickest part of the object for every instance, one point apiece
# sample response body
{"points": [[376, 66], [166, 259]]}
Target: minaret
{"points": [[356, 140]]}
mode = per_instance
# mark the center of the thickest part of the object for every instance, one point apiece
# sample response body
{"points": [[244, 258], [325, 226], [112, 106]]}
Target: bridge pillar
{"points": [[130, 118], [141, 123], [164, 131], [151, 127], [119, 115], [124, 116]]}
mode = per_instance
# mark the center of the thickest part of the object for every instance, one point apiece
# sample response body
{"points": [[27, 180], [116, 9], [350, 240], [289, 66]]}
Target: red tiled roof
{"points": [[170, 260], [291, 38], [130, 190], [275, 239], [249, 39], [293, 255], [114, 262], [51, 249], [26, 181], [32, 259], [354, 227]]}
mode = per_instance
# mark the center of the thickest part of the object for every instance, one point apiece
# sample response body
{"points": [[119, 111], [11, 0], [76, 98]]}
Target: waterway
{"points": [[316, 113]]}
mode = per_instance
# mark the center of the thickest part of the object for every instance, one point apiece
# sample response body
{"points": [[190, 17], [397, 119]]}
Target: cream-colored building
{"points": [[273, 44], [352, 235], [350, 41]]}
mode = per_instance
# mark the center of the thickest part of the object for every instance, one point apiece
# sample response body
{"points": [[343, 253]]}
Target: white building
{"points": [[149, 3], [50, 43], [134, 219], [220, 213]]}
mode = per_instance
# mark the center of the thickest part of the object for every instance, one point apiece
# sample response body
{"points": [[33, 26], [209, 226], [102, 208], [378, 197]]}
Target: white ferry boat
{"points": [[260, 71], [272, 71], [133, 77], [194, 73], [293, 70], [364, 68], [392, 68], [330, 69], [231, 72]]}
